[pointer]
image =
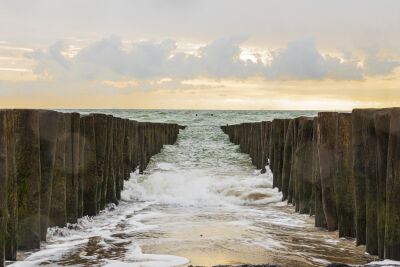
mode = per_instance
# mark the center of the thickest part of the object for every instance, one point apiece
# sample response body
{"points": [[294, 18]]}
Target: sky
{"points": [[200, 54]]}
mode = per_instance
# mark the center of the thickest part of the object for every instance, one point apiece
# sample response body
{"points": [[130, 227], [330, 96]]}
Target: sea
{"points": [[200, 202]]}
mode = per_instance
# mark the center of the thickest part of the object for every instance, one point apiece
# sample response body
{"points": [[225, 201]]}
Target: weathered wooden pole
{"points": [[287, 160], [3, 187], [382, 127], [370, 174], [292, 181], [278, 135], [81, 167], [72, 165], [111, 184], [303, 165], [48, 121], [90, 175], [100, 129], [28, 178], [327, 124], [58, 214], [392, 229], [358, 152], [344, 180], [12, 200], [320, 220]]}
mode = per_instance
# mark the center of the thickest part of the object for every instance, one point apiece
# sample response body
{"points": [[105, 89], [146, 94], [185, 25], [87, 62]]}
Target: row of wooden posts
{"points": [[343, 168], [57, 167]]}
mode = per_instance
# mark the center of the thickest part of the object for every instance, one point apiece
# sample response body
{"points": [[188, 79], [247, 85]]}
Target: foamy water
{"points": [[199, 202]]}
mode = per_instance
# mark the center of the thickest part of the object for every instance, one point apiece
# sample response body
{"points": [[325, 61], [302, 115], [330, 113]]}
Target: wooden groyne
{"points": [[57, 167], [344, 168]]}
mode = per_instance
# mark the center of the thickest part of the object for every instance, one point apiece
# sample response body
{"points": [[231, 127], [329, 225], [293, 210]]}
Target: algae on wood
{"points": [[90, 175], [3, 187], [382, 127], [27, 156], [58, 214], [12, 200], [392, 229], [327, 123], [344, 183], [48, 121]]}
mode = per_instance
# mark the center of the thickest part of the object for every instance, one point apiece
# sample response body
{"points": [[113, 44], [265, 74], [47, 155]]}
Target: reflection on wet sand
{"points": [[213, 240]]}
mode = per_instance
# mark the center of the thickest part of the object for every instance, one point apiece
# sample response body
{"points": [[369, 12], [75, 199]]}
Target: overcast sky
{"points": [[216, 54]]}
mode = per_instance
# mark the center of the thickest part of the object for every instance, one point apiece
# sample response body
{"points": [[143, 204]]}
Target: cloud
{"points": [[374, 66], [301, 60], [111, 60], [107, 59]]}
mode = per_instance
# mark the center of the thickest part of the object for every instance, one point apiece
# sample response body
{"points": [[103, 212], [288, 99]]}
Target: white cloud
{"points": [[301, 60], [108, 60]]}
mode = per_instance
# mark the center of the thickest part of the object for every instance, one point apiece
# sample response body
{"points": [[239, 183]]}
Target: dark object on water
{"points": [[212, 114], [196, 114], [335, 264]]}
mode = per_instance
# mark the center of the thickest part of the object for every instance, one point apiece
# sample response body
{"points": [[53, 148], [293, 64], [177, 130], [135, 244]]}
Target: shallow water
{"points": [[199, 202]]}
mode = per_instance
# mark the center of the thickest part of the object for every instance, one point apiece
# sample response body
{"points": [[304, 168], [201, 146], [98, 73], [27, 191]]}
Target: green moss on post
{"points": [[58, 214], [28, 178], [118, 156], [303, 164], [271, 147], [81, 167], [283, 139], [392, 229], [287, 160], [265, 146], [292, 181], [313, 191], [344, 181], [358, 153], [69, 177], [320, 220], [126, 149], [12, 199], [100, 129], [111, 190], [3, 187], [106, 163], [135, 146], [278, 135], [48, 136], [141, 144], [370, 173], [382, 127], [72, 165], [90, 176], [327, 123]]}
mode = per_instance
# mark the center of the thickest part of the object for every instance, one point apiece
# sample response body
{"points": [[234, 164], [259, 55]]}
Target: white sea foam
{"points": [[135, 258], [270, 244], [386, 263]]}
